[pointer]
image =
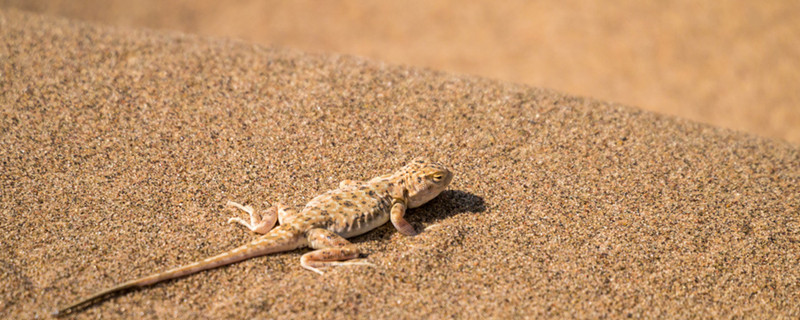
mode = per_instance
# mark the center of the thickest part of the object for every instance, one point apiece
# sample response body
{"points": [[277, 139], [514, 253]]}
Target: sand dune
{"points": [[731, 63], [119, 148]]}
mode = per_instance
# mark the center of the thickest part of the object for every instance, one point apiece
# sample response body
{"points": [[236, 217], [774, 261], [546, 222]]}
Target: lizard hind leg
{"points": [[258, 224], [286, 213], [331, 251]]}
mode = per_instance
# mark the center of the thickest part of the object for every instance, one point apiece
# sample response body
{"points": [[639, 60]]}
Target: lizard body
{"points": [[323, 224]]}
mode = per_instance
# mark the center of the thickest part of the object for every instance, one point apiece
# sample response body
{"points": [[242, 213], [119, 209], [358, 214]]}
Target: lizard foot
{"points": [[258, 224], [354, 262], [331, 251]]}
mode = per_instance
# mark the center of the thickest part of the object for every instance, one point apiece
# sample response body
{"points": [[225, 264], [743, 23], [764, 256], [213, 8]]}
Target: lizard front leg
{"points": [[331, 250], [400, 223], [258, 224]]}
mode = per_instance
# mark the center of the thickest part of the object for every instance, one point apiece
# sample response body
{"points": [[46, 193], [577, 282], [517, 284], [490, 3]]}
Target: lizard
{"points": [[323, 225]]}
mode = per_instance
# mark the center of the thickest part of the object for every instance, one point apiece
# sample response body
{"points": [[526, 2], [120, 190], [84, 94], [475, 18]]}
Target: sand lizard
{"points": [[354, 208]]}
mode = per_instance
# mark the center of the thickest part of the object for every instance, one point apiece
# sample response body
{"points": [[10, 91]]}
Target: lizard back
{"points": [[350, 211]]}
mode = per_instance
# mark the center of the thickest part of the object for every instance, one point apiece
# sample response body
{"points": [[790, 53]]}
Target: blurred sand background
{"points": [[733, 64]]}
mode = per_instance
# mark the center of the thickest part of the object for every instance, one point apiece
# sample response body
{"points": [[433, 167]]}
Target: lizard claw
{"points": [[239, 220], [406, 229], [314, 269], [358, 262], [247, 209], [431, 227], [354, 262]]}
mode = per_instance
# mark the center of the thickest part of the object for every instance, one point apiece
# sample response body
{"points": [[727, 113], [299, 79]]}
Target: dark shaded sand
{"points": [[120, 148]]}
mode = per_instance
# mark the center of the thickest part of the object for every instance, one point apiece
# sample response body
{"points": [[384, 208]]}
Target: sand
{"points": [[120, 147], [729, 63]]}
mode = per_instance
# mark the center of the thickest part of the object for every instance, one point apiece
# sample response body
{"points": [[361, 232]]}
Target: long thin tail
{"points": [[277, 240]]}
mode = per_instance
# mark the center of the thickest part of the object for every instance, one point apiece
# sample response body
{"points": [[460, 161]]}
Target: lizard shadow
{"points": [[447, 204]]}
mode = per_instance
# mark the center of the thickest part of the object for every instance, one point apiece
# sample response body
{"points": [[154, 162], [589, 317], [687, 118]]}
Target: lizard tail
{"points": [[276, 241]]}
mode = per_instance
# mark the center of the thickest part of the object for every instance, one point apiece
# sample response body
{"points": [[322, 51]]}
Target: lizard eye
{"points": [[437, 177]]}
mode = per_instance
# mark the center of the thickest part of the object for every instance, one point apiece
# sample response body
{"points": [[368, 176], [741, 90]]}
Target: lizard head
{"points": [[425, 180]]}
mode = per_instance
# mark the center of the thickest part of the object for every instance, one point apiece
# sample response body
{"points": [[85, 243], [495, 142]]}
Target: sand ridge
{"points": [[120, 148]]}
